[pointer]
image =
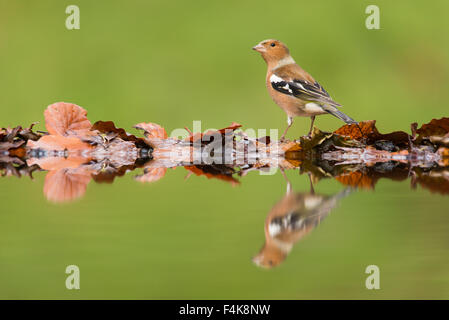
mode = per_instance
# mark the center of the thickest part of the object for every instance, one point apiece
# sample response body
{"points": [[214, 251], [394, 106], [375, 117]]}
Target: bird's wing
{"points": [[296, 82]]}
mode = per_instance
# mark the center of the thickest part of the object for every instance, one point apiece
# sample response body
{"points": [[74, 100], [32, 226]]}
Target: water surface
{"points": [[204, 238]]}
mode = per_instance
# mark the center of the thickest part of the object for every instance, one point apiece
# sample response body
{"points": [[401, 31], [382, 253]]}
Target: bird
{"points": [[291, 219], [293, 89]]}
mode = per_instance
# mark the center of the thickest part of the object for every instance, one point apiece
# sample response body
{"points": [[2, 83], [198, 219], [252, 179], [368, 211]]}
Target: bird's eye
{"points": [[273, 44]]}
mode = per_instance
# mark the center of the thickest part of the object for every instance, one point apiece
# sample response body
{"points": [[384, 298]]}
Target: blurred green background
{"points": [[175, 62]]}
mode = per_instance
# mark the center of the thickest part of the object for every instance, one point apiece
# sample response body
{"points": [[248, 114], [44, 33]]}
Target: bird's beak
{"points": [[257, 260], [259, 48]]}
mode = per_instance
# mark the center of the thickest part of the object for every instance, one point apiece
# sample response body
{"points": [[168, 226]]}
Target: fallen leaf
{"points": [[155, 135], [16, 167], [66, 184], [57, 163], [152, 130], [290, 147], [59, 143], [443, 152], [436, 131], [66, 119], [436, 127], [210, 133], [436, 181], [6, 146], [18, 152], [12, 141], [367, 130], [108, 127], [109, 173], [151, 175], [356, 180], [220, 172]]}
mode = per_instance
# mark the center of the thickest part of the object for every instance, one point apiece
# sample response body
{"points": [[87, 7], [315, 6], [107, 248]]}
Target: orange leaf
{"points": [[56, 142], [152, 130], [152, 175], [443, 152], [364, 129], [356, 180], [66, 184], [193, 137], [57, 163], [65, 119], [367, 130]]}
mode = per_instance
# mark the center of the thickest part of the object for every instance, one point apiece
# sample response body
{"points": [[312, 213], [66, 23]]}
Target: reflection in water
{"points": [[106, 152], [67, 177], [292, 218]]}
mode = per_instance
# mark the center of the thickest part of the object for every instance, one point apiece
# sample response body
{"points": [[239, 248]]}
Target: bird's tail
{"points": [[337, 113]]}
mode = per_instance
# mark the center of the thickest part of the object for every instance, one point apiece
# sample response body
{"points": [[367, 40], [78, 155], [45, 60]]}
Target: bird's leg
{"points": [[289, 185], [309, 135], [312, 190], [289, 122]]}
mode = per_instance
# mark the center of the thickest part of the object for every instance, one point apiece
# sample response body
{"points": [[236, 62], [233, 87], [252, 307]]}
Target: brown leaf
{"points": [[18, 152], [354, 131], [108, 174], [12, 141], [436, 127], [29, 134], [11, 134], [5, 146], [108, 127], [65, 119], [220, 172], [436, 181], [16, 167], [366, 177], [204, 136], [367, 130]]}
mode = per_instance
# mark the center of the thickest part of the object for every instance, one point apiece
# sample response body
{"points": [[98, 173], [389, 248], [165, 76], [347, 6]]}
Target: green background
{"points": [[175, 62]]}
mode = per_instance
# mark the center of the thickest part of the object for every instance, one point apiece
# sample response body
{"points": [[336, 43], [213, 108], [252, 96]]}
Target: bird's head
{"points": [[270, 256], [272, 50]]}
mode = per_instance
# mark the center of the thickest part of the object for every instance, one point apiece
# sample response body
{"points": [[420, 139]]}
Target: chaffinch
{"points": [[293, 89], [291, 219]]}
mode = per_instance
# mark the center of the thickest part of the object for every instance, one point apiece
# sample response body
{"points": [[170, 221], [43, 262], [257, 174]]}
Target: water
{"points": [[203, 237]]}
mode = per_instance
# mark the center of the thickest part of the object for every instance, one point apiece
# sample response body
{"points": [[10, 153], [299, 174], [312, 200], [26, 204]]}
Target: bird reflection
{"points": [[293, 217]]}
